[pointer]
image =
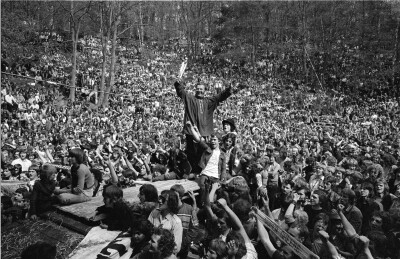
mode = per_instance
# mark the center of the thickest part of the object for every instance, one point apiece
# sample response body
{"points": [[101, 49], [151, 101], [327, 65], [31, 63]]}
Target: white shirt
{"points": [[251, 252], [9, 98], [211, 168], [25, 164]]}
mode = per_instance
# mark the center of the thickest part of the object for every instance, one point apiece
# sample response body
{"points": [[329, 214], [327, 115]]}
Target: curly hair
{"points": [[166, 243], [219, 247]]}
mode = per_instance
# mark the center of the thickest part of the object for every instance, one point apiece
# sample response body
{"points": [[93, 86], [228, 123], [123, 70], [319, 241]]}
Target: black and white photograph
{"points": [[200, 129]]}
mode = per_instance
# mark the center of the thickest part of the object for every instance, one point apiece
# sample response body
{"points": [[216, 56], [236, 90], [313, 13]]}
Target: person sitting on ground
{"points": [[165, 216], [118, 214], [141, 236], [82, 184], [44, 191]]}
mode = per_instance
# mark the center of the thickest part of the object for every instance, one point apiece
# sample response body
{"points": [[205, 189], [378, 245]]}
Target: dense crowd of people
{"points": [[331, 181]]}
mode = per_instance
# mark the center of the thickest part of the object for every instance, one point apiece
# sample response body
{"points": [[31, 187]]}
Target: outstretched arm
{"points": [[235, 220], [180, 90], [265, 240]]}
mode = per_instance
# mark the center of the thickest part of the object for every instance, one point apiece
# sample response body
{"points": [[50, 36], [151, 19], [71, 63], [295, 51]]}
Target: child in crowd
{"points": [[44, 191]]}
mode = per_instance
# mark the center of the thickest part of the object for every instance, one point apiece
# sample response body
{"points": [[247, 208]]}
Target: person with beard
{"points": [[199, 110], [162, 245]]}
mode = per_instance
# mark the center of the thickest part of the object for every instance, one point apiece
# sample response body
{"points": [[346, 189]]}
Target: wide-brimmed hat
{"points": [[231, 122]]}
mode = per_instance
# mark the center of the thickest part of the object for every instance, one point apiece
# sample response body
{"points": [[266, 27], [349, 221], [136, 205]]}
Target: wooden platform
{"points": [[86, 210]]}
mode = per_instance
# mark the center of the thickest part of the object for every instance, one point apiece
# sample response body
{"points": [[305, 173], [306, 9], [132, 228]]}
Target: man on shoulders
{"points": [[212, 161]]}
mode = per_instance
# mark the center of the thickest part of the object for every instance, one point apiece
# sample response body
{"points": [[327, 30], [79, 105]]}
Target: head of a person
{"points": [[40, 250], [217, 249], [142, 232], [329, 182], [169, 201], [33, 172], [214, 141], [228, 125], [381, 187], [31, 156], [162, 242], [380, 221], [179, 189], [321, 222], [299, 231], [48, 173], [237, 238], [320, 170], [16, 155], [20, 194], [16, 170], [366, 190], [318, 198], [200, 90], [77, 156], [303, 192], [111, 195], [229, 140], [242, 208], [347, 197], [148, 193], [22, 155], [287, 187]]}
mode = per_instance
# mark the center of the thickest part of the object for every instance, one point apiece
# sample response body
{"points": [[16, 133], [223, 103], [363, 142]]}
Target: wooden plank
{"points": [[298, 248], [87, 210], [8, 187]]}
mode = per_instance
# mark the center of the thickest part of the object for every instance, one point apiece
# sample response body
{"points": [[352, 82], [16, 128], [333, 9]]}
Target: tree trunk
{"points": [[74, 35], [113, 56], [104, 41], [253, 50], [396, 59], [305, 71], [141, 27]]}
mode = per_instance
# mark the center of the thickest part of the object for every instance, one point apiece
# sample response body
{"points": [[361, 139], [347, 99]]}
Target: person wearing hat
{"points": [[228, 126]]}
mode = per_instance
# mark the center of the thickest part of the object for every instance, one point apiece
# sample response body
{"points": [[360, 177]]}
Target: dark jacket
{"points": [[205, 157], [42, 197], [231, 160], [200, 111]]}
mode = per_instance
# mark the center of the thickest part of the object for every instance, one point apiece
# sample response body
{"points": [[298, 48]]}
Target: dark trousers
{"points": [[273, 194], [193, 156], [202, 180]]}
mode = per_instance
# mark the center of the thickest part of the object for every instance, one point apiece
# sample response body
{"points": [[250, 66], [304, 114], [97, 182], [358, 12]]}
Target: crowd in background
{"points": [[329, 179]]}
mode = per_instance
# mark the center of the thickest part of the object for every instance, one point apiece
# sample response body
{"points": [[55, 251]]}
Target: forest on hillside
{"points": [[348, 46]]}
